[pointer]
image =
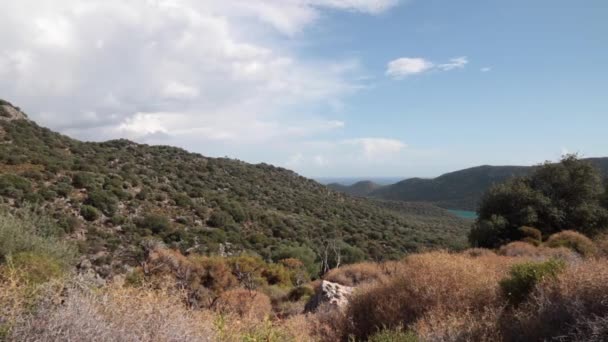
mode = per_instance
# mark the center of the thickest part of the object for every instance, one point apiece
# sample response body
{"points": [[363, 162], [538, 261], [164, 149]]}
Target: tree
{"points": [[556, 197]]}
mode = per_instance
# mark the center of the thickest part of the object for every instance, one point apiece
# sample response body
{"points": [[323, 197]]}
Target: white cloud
{"points": [[176, 90], [105, 68], [403, 67], [485, 69], [454, 63], [406, 66], [377, 148]]}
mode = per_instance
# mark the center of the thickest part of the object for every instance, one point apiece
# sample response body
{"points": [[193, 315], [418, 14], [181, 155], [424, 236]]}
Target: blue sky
{"points": [[334, 88]]}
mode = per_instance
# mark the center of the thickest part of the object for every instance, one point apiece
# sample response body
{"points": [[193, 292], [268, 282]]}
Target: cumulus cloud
{"points": [[406, 66], [102, 68], [403, 67]]}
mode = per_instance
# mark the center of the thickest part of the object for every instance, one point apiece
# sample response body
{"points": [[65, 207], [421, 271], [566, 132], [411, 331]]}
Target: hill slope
{"points": [[111, 196], [362, 188], [461, 189]]}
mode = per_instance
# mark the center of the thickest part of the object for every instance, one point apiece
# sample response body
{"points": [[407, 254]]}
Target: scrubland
{"points": [[556, 289]]}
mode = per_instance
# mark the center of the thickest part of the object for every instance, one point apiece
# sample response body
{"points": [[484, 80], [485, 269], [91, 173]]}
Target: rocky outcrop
{"points": [[332, 293], [8, 112]]}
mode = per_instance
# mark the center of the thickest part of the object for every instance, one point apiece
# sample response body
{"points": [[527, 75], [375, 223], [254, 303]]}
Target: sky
{"points": [[328, 88]]}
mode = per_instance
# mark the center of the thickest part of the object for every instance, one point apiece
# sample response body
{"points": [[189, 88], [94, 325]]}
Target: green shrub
{"points": [[27, 232], [14, 186], [524, 277], [573, 240], [103, 201], [89, 213], [38, 268], [303, 253], [156, 223], [218, 219], [84, 180]]}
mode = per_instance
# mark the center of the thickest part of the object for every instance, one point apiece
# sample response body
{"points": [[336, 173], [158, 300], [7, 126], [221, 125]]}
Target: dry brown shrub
{"points": [[116, 314], [299, 328], [328, 324], [203, 278], [527, 251], [573, 240], [427, 282], [574, 304], [519, 249], [601, 242], [478, 252], [244, 303], [356, 274], [438, 325]]}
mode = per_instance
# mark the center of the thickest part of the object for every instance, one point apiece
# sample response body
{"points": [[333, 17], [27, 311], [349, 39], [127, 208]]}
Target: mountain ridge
{"points": [[461, 189]]}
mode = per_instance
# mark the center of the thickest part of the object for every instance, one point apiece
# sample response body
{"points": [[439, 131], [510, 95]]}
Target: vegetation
{"points": [[116, 194], [462, 189], [542, 293], [363, 188], [556, 197], [524, 277]]}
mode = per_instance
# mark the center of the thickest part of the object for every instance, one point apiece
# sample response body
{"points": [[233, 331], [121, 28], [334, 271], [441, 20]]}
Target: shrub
{"points": [[394, 335], [38, 268], [519, 249], [89, 213], [103, 201], [573, 306], [156, 223], [356, 274], [531, 235], [218, 219], [14, 186], [524, 277], [300, 292], [303, 253], [573, 240], [244, 303], [84, 180], [425, 282], [115, 314], [31, 233]]}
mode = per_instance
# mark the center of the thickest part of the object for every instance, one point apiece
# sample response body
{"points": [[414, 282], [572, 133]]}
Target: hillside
{"points": [[114, 195], [362, 188], [461, 189]]}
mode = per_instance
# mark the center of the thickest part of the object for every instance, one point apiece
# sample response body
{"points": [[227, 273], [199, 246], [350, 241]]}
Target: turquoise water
{"points": [[465, 214]]}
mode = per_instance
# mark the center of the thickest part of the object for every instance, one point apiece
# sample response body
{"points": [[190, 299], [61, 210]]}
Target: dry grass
{"points": [[524, 250], [439, 326], [356, 274], [244, 303], [115, 314], [430, 282]]}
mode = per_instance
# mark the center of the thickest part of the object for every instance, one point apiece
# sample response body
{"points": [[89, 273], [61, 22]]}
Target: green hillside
{"points": [[111, 196], [362, 188], [461, 189]]}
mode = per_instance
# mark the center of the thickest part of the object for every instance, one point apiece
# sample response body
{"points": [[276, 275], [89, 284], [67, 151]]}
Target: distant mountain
{"points": [[461, 189], [353, 180], [362, 188]]}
